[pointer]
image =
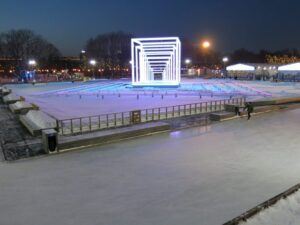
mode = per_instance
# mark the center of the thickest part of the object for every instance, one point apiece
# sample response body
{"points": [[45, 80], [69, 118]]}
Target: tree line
{"points": [[112, 52]]}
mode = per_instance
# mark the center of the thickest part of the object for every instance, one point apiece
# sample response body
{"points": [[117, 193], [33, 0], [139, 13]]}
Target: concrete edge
{"points": [[99, 140], [257, 209]]}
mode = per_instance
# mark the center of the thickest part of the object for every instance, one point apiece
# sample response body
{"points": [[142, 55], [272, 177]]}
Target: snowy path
{"points": [[205, 175]]}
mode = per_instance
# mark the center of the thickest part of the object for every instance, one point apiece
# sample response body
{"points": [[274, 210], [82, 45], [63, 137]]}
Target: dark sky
{"points": [[230, 24]]}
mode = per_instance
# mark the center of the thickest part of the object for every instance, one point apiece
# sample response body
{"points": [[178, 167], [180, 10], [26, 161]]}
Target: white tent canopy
{"points": [[240, 67], [290, 67]]}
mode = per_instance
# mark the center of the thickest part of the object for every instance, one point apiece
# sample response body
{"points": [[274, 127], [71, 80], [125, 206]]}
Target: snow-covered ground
{"points": [[68, 100], [285, 211], [203, 175]]}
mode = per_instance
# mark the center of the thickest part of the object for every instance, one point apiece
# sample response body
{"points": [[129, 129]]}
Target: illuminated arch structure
{"points": [[156, 61]]}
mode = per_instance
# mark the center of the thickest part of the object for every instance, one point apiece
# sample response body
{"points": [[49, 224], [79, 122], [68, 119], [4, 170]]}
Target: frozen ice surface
{"points": [[203, 175], [68, 100], [285, 211]]}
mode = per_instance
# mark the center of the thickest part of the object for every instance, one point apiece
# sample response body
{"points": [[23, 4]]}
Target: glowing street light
{"points": [[187, 61], [225, 59], [82, 51], [206, 44], [93, 63], [31, 62]]}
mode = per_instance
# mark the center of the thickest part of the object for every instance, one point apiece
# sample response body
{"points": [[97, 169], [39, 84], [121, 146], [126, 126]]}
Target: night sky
{"points": [[230, 24]]}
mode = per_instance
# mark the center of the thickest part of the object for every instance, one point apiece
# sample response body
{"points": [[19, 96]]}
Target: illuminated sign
{"points": [[155, 61]]}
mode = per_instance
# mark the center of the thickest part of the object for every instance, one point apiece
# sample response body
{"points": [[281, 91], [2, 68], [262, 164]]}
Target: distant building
{"points": [[252, 71]]}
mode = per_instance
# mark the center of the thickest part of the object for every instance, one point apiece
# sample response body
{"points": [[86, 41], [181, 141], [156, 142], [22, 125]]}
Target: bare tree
{"points": [[111, 50], [22, 45]]}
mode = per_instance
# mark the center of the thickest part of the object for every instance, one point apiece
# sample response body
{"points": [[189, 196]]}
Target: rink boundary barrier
{"points": [[80, 125]]}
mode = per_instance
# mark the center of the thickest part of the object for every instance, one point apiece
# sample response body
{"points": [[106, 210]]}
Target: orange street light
{"points": [[206, 44]]}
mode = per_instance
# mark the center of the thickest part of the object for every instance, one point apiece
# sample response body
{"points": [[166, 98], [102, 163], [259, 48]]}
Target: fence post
{"points": [[173, 112], [57, 126], [115, 118], [71, 126], [184, 108], [90, 123], [190, 109], [80, 124], [167, 112], [99, 121], [146, 114], [107, 124], [62, 127], [152, 114], [159, 113]]}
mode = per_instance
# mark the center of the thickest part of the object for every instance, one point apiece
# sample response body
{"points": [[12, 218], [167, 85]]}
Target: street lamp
{"points": [[187, 61], [31, 62], [225, 60], [93, 63], [206, 44]]}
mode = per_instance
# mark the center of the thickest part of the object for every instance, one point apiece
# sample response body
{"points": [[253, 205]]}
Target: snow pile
{"points": [[41, 119], [21, 104], [285, 211], [11, 97]]}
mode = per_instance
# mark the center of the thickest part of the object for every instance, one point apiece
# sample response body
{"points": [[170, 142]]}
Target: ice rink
{"points": [[204, 175], [67, 100]]}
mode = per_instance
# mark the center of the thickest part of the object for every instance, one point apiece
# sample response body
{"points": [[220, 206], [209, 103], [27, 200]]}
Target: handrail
{"points": [[118, 119]]}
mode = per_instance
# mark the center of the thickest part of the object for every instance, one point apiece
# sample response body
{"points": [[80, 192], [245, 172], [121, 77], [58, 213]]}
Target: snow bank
{"points": [[41, 119], [285, 211], [11, 97], [21, 104]]}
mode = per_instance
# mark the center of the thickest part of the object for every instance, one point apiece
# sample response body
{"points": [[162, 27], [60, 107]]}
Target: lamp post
{"points": [[205, 44], [32, 63], [225, 60], [93, 64], [187, 62]]}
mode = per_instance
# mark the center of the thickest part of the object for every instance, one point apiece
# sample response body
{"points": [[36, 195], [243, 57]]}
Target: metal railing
{"points": [[112, 120]]}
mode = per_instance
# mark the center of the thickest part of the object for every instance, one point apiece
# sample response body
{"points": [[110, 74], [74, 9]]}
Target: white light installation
{"points": [[155, 61], [240, 67], [290, 67]]}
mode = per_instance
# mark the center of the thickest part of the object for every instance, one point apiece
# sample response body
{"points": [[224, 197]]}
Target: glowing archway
{"points": [[156, 61]]}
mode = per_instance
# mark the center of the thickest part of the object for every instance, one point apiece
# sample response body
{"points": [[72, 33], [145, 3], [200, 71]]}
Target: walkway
{"points": [[205, 175]]}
